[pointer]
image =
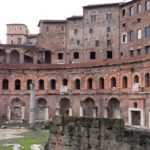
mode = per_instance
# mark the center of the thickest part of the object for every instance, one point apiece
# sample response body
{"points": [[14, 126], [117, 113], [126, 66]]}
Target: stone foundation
{"points": [[72, 133]]}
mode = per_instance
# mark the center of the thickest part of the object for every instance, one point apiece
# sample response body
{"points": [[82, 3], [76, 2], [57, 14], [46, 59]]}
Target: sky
{"points": [[29, 12]]}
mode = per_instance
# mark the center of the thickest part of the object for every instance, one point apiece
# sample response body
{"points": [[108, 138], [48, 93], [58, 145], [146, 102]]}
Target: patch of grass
{"points": [[39, 136]]}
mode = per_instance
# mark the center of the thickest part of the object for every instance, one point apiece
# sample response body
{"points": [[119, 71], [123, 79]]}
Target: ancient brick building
{"points": [[92, 65]]}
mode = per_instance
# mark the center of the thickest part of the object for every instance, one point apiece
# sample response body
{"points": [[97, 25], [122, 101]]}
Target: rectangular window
{"points": [[108, 43], [76, 55], [109, 54], [131, 53], [92, 55], [147, 5], [147, 49], [62, 28], [139, 34], [138, 52], [138, 20], [108, 16], [131, 35], [97, 43], [90, 31], [93, 17], [124, 38], [19, 40], [78, 42], [47, 29], [75, 31], [139, 8], [60, 56], [147, 31], [131, 10], [108, 29]]}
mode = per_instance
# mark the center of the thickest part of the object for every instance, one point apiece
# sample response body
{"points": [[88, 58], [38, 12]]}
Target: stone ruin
{"points": [[72, 133]]}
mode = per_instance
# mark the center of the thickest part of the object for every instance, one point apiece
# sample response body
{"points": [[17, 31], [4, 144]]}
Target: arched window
{"points": [[41, 84], [124, 82], [2, 56], [14, 57], [53, 84], [77, 84], [17, 84], [65, 82], [47, 55], [5, 84], [40, 57], [113, 82], [101, 83], [28, 84], [90, 83], [64, 106], [28, 57], [136, 79], [147, 80], [88, 107]]}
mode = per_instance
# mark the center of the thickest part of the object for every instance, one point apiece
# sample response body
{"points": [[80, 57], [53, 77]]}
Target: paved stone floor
{"points": [[11, 133]]}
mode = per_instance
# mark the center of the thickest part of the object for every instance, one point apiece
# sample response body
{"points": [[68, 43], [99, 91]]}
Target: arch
{"points": [[64, 106], [77, 84], [41, 84], [40, 57], [5, 84], [17, 84], [113, 82], [125, 82], [65, 82], [88, 106], [41, 109], [136, 79], [147, 80], [28, 57], [14, 57], [113, 108], [2, 56], [29, 81], [47, 57], [53, 84], [101, 83], [16, 107], [90, 83]]}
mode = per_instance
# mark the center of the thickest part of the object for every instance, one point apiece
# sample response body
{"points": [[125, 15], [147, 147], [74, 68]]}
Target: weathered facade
{"points": [[82, 66], [68, 133]]}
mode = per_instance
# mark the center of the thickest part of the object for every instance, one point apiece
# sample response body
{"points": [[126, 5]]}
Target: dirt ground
{"points": [[11, 133]]}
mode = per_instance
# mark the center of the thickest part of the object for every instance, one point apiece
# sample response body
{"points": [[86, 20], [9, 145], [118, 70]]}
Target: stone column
{"points": [[8, 113], [22, 112], [32, 107], [35, 59], [21, 57], [57, 109], [81, 110], [70, 111], [7, 56], [46, 114], [95, 112]]}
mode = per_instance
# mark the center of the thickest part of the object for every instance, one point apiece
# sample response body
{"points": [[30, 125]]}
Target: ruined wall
{"points": [[70, 133]]}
